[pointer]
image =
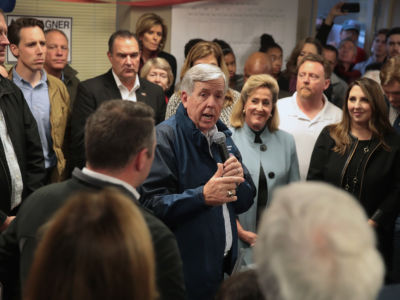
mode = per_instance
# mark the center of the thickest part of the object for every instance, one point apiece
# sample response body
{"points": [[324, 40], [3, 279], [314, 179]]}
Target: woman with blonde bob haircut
{"points": [[97, 246], [152, 32], [205, 53], [257, 81], [157, 70], [361, 154], [268, 153]]}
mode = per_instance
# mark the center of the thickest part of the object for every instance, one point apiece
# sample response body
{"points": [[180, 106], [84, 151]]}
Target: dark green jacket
{"points": [[71, 82]]}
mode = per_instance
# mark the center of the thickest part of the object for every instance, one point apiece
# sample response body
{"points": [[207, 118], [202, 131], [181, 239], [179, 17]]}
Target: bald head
{"points": [[257, 63]]}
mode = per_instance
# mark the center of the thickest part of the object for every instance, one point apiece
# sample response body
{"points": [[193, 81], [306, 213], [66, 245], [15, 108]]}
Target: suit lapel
{"points": [[110, 86], [141, 94], [100, 184]]}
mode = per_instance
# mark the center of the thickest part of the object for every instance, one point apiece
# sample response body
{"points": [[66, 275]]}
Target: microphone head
{"points": [[219, 138]]}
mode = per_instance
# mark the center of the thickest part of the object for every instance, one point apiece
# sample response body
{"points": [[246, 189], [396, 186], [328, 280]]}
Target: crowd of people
{"points": [[135, 185]]}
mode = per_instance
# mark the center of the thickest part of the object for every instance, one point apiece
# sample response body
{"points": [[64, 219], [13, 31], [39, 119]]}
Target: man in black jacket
{"points": [[120, 143], [21, 156], [120, 82]]}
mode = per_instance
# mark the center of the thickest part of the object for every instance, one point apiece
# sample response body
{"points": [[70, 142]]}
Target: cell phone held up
{"points": [[350, 7]]}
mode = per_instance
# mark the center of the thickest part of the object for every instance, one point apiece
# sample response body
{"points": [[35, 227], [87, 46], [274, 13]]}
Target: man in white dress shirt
{"points": [[308, 111], [120, 82]]}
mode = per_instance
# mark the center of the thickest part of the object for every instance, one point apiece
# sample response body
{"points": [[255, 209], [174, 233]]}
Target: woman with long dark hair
{"points": [[361, 154]]}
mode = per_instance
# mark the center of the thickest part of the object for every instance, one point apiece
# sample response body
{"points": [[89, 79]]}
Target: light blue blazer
{"points": [[279, 163]]}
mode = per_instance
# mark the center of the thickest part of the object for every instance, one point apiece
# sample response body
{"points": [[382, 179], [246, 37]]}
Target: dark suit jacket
{"points": [[18, 243], [390, 292], [22, 129], [71, 82], [172, 62], [93, 92]]}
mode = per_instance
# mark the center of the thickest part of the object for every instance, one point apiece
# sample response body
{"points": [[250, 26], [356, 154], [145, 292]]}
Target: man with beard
{"points": [[308, 111]]}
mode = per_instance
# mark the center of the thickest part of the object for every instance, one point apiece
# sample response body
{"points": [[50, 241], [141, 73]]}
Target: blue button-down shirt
{"points": [[38, 101]]}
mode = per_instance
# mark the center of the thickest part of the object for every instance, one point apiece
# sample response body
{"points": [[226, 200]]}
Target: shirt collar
{"points": [[113, 180], [209, 134], [43, 77], [120, 84], [395, 110], [299, 113], [393, 113]]}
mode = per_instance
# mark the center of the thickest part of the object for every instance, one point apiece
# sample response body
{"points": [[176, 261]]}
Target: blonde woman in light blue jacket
{"points": [[268, 153]]}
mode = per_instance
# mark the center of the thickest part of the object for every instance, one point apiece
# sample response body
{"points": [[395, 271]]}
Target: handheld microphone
{"points": [[220, 139]]}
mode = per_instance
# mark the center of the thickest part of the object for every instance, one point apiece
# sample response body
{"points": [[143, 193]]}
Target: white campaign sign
{"points": [[62, 23], [239, 22]]}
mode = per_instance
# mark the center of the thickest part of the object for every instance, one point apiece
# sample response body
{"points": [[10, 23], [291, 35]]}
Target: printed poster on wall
{"points": [[238, 22], [62, 23]]}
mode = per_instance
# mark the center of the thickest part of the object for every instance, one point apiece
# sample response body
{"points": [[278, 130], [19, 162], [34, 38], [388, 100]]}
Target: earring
{"points": [[244, 112]]}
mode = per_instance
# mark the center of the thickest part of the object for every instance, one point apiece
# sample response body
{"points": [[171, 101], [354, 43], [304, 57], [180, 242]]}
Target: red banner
{"points": [[136, 3]]}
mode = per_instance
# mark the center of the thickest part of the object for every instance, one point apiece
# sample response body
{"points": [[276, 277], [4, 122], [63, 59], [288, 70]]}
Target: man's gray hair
{"points": [[315, 240], [56, 30], [202, 73]]}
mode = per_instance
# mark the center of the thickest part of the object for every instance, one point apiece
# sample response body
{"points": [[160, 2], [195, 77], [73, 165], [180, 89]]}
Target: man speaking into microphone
{"points": [[191, 186]]}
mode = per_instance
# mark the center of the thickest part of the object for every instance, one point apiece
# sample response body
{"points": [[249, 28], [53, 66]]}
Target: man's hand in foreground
{"points": [[219, 190]]}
